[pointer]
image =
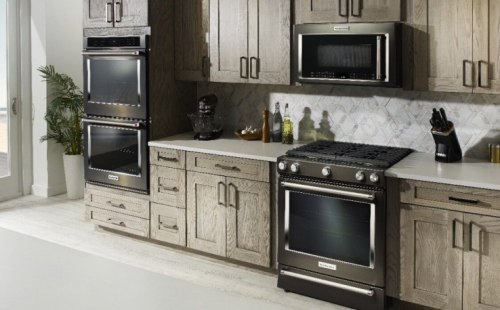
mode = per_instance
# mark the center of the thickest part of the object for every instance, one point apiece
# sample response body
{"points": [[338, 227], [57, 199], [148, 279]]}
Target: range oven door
{"points": [[331, 230], [347, 54], [115, 83], [116, 154]]}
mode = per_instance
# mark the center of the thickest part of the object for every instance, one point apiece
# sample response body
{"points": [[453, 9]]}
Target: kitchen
{"points": [[292, 139]]}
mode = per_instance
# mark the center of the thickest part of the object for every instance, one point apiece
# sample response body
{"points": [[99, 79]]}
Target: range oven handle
{"points": [[328, 191], [329, 283], [112, 53], [99, 122]]}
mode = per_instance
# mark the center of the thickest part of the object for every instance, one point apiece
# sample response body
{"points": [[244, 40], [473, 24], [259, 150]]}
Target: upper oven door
{"points": [[345, 54], [115, 83], [332, 230], [116, 154]]}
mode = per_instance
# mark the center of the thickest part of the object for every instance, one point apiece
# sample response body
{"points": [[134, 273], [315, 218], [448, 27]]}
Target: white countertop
{"points": [[228, 145], [469, 172]]}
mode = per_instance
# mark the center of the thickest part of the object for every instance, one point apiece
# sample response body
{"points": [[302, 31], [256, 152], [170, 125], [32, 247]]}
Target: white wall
{"points": [[56, 30]]}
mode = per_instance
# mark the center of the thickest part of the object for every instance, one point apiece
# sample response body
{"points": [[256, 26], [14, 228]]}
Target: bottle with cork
{"points": [[266, 132], [287, 127]]}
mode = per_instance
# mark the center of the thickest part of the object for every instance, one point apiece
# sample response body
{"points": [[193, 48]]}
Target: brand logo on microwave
{"points": [[342, 28], [113, 177], [327, 266]]}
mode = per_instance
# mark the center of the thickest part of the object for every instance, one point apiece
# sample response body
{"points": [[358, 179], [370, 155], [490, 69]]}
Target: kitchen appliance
{"points": [[353, 54], [207, 124], [332, 222], [116, 76]]}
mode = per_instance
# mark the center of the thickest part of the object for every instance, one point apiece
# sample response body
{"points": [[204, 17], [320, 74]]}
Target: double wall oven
{"points": [[116, 108]]}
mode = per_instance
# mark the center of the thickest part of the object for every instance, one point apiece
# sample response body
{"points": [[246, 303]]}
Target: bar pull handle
{"points": [[256, 68], [340, 9], [116, 205], [480, 73], [470, 201], [117, 223], [241, 67], [203, 69], [232, 202], [349, 288], [328, 191], [218, 194], [352, 9], [174, 227], [169, 189], [118, 12], [454, 234], [234, 168], [464, 78], [170, 159], [108, 19]]}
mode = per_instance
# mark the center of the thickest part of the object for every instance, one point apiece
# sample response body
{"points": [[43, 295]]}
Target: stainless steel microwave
{"points": [[348, 54]]}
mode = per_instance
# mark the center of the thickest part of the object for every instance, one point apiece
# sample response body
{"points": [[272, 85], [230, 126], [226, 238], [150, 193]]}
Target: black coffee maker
{"points": [[206, 122]]}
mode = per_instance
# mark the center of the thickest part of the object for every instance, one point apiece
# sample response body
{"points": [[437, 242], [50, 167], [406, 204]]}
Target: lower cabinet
{"points": [[168, 224], [229, 217]]}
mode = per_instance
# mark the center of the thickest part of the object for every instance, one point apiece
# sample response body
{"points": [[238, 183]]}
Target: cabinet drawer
{"points": [[117, 203], [168, 224], [229, 166], [168, 186], [117, 221], [459, 198], [168, 158]]}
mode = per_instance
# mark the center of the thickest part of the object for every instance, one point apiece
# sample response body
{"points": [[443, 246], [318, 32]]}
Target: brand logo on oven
{"points": [[327, 266], [342, 28], [113, 177]]}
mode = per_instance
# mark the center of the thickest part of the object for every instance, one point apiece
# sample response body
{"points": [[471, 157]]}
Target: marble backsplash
{"points": [[364, 115]]}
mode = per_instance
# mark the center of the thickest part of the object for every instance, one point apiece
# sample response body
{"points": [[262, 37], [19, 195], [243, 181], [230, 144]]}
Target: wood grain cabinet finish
{"points": [[248, 221], [431, 257], [321, 11], [168, 186], [167, 158], [229, 166], [98, 14], [168, 224], [117, 202], [117, 221], [365, 11], [206, 213], [192, 28], [482, 263], [116, 13]]}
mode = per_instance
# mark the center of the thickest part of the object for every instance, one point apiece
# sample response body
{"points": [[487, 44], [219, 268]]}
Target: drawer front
{"points": [[458, 198], [168, 224], [117, 221], [117, 203], [167, 158], [229, 166], [168, 186]]}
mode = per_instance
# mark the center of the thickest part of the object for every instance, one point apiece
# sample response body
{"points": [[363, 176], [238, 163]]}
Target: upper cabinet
{"points": [[343, 11], [117, 13]]}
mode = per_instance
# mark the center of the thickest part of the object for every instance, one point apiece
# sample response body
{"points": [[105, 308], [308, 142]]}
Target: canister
{"points": [[494, 151]]}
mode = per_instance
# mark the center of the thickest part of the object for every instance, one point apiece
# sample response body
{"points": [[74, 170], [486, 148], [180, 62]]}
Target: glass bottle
{"points": [[266, 135], [277, 124], [287, 127]]}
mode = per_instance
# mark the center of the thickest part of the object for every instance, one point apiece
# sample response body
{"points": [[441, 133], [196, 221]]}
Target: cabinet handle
{"points": [[454, 234], [463, 200], [172, 159], [13, 106], [174, 227], [121, 205], [218, 194], [118, 12], [232, 205], [256, 68], [464, 64], [203, 71], [352, 8], [109, 20], [340, 9], [480, 73], [117, 223], [234, 168], [169, 189], [241, 67]]}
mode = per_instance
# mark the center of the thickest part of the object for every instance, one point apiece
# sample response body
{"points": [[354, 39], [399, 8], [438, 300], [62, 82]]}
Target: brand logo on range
{"points": [[342, 28], [327, 266], [113, 177]]}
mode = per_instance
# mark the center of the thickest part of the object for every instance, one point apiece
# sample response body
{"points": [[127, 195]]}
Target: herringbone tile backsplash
{"points": [[365, 115]]}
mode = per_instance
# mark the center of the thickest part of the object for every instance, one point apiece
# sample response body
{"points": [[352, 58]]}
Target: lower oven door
{"points": [[331, 230], [116, 154]]}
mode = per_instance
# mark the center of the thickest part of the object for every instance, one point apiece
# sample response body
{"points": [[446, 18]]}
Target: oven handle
{"points": [[379, 58], [329, 283], [112, 53], [132, 125], [328, 191]]}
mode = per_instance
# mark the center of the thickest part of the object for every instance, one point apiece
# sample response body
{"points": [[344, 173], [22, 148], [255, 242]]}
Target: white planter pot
{"points": [[74, 173]]}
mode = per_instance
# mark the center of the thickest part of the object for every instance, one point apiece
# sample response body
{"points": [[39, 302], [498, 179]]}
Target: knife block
{"points": [[448, 148]]}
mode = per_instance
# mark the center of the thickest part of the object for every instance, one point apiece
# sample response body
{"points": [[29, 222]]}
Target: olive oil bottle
{"points": [[287, 127]]}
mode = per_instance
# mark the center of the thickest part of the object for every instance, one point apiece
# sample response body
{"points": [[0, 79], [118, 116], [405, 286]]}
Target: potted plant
{"points": [[64, 119]]}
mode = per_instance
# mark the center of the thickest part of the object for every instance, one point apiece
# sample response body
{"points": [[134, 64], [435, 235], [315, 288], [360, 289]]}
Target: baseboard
{"points": [[46, 192]]}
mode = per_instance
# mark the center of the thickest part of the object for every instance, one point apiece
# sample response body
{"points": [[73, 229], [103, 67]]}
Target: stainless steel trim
{"points": [[88, 79], [328, 191], [118, 12], [112, 53], [329, 283], [122, 124], [139, 82], [108, 20], [372, 235], [379, 58]]}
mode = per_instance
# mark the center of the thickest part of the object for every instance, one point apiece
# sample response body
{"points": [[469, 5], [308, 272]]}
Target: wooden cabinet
{"points": [[117, 13], [343, 11], [431, 257], [192, 22], [168, 224], [250, 41], [482, 263]]}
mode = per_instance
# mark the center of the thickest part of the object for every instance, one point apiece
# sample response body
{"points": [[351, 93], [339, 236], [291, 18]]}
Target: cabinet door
{"points": [[192, 21], [321, 11], [375, 11], [131, 13], [229, 41], [487, 46], [431, 257], [269, 41], [98, 13], [443, 45], [482, 263], [206, 213], [248, 221]]}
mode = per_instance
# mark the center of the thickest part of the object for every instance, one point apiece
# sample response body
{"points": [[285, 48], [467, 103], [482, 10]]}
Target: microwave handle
{"points": [[99, 122], [379, 58]]}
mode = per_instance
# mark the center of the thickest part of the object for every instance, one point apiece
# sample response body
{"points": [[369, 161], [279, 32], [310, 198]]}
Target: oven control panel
{"points": [[114, 42]]}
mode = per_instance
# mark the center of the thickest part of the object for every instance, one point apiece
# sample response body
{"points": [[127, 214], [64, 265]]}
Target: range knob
{"points": [[294, 168], [326, 171], [282, 166], [374, 178], [360, 176]]}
